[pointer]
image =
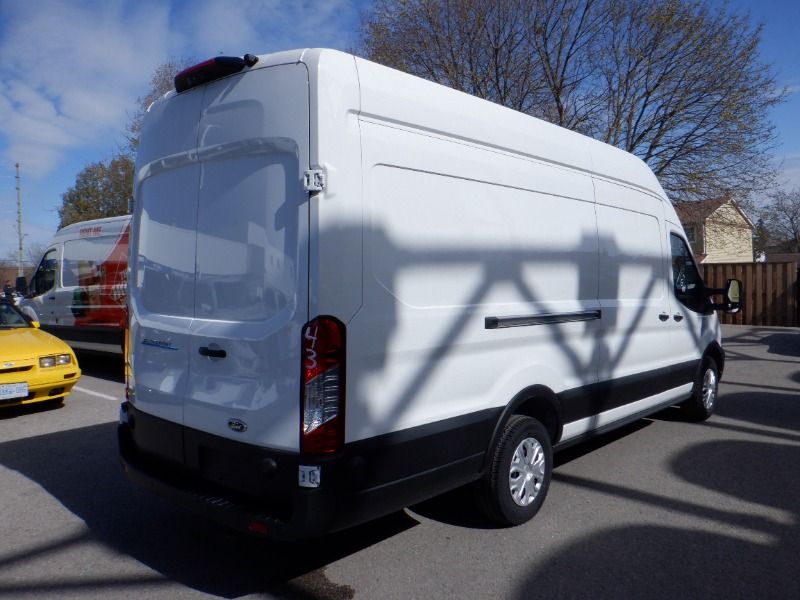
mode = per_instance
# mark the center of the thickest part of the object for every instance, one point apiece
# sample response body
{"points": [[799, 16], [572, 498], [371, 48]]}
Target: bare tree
{"points": [[676, 82], [782, 217], [34, 252], [161, 82], [565, 35], [481, 47], [687, 93]]}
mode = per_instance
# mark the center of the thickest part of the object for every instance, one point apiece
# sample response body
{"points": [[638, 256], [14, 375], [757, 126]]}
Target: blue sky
{"points": [[70, 73]]}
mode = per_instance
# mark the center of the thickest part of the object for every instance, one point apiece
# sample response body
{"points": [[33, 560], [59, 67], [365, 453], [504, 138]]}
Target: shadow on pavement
{"points": [[758, 559], [11, 412], [770, 409], [785, 344], [458, 507], [743, 547], [88, 480], [110, 367]]}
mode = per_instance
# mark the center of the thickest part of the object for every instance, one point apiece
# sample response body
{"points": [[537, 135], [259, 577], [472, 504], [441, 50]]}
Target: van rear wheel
{"points": [[515, 485], [701, 404]]}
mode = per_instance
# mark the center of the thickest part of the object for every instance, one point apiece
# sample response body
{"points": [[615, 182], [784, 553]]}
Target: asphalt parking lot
{"points": [[659, 509]]}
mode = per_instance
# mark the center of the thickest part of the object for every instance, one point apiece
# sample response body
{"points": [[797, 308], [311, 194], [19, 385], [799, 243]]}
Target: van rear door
{"points": [[161, 289], [251, 259]]}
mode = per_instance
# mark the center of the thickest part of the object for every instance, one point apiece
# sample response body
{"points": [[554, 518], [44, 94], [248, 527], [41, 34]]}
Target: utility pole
{"points": [[19, 225]]}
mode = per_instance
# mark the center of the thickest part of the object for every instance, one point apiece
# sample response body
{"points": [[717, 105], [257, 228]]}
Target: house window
{"points": [[691, 233]]}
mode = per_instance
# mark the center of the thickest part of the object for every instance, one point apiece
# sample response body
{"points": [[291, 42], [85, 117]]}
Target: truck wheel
{"points": [[521, 464], [703, 401]]}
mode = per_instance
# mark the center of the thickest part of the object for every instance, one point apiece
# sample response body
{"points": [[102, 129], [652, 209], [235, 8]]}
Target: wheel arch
{"points": [[536, 401], [715, 351]]}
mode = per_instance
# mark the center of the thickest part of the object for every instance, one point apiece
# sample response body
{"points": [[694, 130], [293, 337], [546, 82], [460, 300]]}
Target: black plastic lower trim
{"points": [[589, 400], [241, 484]]}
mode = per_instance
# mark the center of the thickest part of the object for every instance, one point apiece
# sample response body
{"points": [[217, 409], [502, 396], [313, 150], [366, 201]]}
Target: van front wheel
{"points": [[703, 401], [516, 482]]}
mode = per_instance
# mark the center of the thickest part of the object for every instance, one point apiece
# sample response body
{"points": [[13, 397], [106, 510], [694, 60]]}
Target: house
{"points": [[718, 230]]}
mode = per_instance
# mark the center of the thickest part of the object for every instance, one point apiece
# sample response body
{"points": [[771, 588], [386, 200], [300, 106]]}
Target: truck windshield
{"points": [[10, 317]]}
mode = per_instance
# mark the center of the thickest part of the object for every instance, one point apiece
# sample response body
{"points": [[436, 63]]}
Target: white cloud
{"points": [[71, 72], [72, 69], [257, 27]]}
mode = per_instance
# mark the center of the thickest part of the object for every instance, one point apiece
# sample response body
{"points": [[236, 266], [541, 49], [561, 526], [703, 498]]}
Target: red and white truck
{"points": [[78, 290]]}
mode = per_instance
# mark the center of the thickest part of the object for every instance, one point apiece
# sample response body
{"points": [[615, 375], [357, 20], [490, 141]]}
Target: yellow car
{"points": [[34, 366]]}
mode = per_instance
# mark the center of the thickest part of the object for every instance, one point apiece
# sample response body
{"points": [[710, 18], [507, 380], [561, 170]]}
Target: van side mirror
{"points": [[21, 284], [732, 296]]}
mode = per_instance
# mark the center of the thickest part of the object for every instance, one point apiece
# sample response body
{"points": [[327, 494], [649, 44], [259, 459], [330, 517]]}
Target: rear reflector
{"points": [[322, 403], [258, 527], [212, 69]]}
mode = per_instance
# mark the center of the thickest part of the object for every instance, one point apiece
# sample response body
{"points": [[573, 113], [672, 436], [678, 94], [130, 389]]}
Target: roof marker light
{"points": [[212, 69]]}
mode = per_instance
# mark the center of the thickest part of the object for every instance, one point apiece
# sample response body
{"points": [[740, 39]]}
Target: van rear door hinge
{"points": [[314, 180]]}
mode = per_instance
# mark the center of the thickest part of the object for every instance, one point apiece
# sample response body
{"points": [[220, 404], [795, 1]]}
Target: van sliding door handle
{"points": [[663, 316], [212, 352]]}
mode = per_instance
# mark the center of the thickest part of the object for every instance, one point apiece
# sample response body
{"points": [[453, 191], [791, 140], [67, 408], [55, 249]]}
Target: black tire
{"points": [[494, 491], [701, 404]]}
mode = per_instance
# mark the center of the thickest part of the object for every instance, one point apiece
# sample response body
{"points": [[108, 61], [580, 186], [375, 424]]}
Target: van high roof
{"points": [[410, 102]]}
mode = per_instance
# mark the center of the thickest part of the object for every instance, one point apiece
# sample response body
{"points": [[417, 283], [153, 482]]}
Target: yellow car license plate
{"points": [[13, 390]]}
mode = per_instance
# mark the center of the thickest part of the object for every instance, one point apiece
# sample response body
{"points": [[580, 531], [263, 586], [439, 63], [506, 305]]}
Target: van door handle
{"points": [[663, 316], [678, 317], [212, 352]]}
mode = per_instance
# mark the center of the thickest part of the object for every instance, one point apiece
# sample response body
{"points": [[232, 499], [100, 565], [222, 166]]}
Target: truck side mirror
{"points": [[732, 293], [21, 284]]}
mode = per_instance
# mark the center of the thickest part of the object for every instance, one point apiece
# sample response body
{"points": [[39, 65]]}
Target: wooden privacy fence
{"points": [[770, 292]]}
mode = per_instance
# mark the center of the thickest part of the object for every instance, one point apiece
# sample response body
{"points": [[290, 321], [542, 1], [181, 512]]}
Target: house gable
{"points": [[718, 230]]}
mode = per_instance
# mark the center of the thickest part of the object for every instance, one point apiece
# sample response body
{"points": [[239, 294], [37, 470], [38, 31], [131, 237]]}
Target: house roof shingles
{"points": [[697, 212]]}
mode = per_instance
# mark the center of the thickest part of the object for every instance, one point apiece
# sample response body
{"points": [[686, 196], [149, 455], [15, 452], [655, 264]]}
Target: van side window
{"points": [[45, 277], [688, 285], [86, 261]]}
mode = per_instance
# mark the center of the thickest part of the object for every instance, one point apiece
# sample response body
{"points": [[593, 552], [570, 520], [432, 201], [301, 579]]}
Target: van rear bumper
{"points": [[244, 487], [311, 517], [256, 490]]}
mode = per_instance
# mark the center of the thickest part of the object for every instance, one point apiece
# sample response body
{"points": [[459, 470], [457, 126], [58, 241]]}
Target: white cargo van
{"points": [[353, 289], [78, 291]]}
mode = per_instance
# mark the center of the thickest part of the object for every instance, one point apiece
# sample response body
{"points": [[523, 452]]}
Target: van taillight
{"points": [[213, 68], [322, 428]]}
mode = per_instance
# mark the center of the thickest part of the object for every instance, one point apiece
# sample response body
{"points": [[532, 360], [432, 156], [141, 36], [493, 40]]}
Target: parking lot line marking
{"points": [[98, 394]]}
